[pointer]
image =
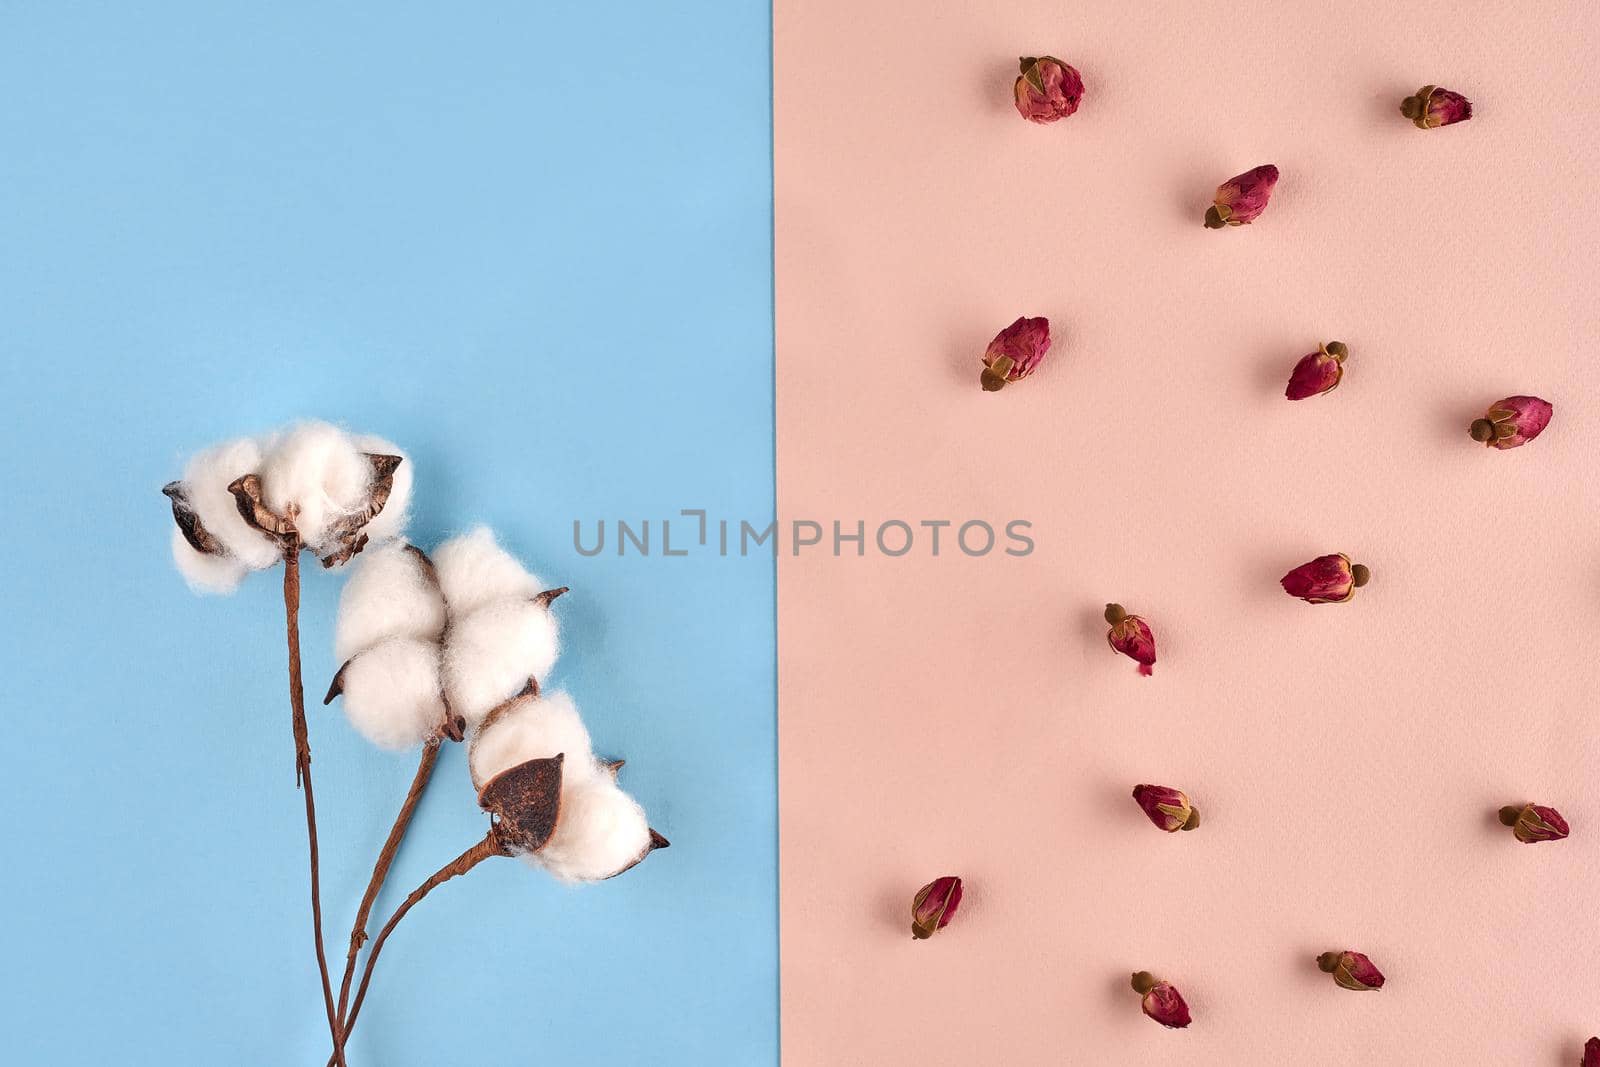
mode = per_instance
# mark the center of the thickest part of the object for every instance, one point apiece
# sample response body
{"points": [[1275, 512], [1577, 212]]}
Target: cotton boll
{"points": [[316, 471], [391, 692], [205, 488], [531, 728], [389, 522], [474, 569], [205, 573], [391, 593], [600, 832], [491, 653]]}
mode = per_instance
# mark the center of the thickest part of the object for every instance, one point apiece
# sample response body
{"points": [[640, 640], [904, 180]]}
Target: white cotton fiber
{"points": [[205, 573], [474, 569], [391, 692], [317, 471], [490, 654], [390, 593], [601, 830], [205, 487], [532, 728], [389, 522]]}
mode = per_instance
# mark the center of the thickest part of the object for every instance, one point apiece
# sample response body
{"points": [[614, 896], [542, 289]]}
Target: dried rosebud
{"points": [[1319, 372], [1591, 1052], [1162, 1001], [1351, 970], [1326, 579], [1241, 200], [934, 906], [1514, 421], [1433, 106], [1532, 823], [1015, 352], [1169, 809], [1047, 90], [1130, 635]]}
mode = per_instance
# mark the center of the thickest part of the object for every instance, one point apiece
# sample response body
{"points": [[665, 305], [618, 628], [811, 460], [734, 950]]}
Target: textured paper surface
{"points": [[965, 716]]}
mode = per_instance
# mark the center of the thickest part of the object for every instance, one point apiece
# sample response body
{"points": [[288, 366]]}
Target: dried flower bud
{"points": [[1047, 90], [1433, 106], [1591, 1052], [1130, 635], [1533, 823], [1162, 1001], [1169, 809], [1241, 200], [1015, 352], [934, 906], [1351, 970], [1326, 579], [1514, 421], [1319, 372]]}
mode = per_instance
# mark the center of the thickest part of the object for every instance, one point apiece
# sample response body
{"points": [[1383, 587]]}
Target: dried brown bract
{"points": [[348, 533], [188, 520], [526, 802], [252, 507]]}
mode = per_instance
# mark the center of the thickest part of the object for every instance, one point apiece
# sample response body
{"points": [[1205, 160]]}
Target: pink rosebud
{"points": [[1326, 579], [1532, 823], [1169, 809], [1351, 970], [1162, 1001], [934, 906], [1433, 106], [1318, 372], [1015, 353], [1240, 200], [1591, 1052], [1131, 636], [1514, 421], [1047, 90]]}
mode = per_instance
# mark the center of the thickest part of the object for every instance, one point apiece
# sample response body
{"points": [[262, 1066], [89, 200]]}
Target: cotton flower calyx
{"points": [[336, 541], [570, 816]]}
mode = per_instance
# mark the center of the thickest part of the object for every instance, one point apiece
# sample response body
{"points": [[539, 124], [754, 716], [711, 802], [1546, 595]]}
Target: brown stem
{"points": [[380, 871], [491, 845], [302, 766]]}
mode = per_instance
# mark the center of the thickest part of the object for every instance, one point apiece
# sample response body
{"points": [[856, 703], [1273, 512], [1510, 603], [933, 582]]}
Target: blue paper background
{"points": [[531, 243]]}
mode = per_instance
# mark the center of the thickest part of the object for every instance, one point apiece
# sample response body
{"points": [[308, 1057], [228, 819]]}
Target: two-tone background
{"points": [[616, 262]]}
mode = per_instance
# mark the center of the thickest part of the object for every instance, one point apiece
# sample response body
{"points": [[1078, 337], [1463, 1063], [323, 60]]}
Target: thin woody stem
{"points": [[302, 763], [380, 871], [491, 845]]}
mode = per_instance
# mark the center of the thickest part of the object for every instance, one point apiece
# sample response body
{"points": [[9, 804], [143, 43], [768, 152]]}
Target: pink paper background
{"points": [[965, 716]]}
